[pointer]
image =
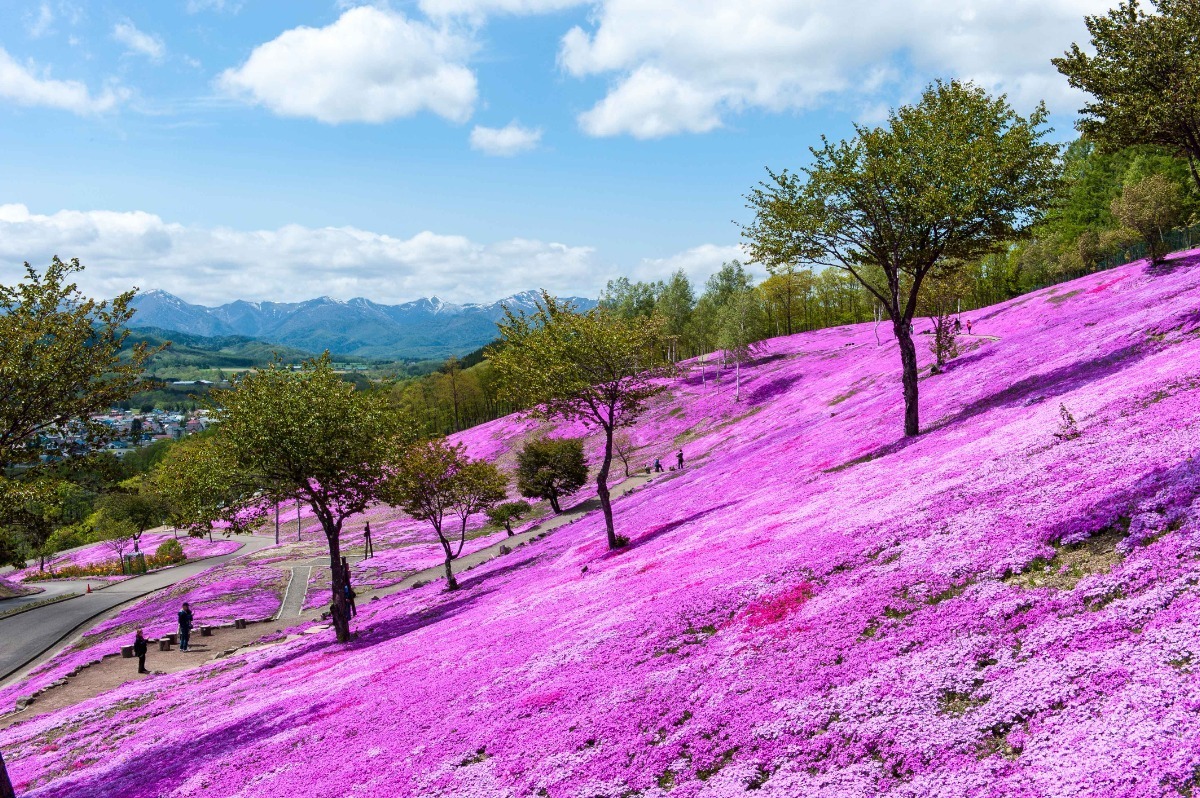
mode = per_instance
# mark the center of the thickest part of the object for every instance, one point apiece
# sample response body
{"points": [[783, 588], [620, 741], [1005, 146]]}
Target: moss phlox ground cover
{"points": [[815, 606]]}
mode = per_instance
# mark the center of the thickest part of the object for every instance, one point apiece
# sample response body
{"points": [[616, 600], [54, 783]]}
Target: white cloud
{"points": [[41, 23], [698, 263], [292, 263], [652, 103], [686, 65], [477, 9], [20, 85], [371, 65], [140, 42], [505, 141]]}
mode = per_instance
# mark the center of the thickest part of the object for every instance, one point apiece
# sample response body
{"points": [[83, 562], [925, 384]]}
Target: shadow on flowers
{"points": [[770, 390], [670, 526], [160, 768], [1038, 388]]}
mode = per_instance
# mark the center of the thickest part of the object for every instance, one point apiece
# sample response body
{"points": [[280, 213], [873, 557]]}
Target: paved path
{"points": [[65, 587], [297, 589], [483, 555], [29, 635]]}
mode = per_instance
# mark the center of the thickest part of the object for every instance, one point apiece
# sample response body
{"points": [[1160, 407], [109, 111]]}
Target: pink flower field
{"points": [[246, 587], [1007, 605], [98, 553]]}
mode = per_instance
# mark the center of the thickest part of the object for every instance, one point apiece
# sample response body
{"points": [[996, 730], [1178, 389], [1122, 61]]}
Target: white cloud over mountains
{"points": [[25, 84], [292, 263], [370, 65]]}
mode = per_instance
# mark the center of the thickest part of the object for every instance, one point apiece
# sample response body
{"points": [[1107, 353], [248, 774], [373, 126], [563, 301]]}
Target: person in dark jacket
{"points": [[139, 651], [679, 458], [350, 594], [185, 626]]}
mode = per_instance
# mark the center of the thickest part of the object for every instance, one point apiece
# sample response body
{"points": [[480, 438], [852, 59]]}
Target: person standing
{"points": [[139, 651], [368, 549], [185, 626], [350, 594], [679, 459], [968, 326]]}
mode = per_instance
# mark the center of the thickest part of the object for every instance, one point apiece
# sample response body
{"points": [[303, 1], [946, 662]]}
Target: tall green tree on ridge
{"points": [[946, 180], [60, 364], [597, 367], [1144, 78]]}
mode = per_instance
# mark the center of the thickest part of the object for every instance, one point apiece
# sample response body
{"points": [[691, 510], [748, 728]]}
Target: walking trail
{"points": [[112, 672], [29, 637]]}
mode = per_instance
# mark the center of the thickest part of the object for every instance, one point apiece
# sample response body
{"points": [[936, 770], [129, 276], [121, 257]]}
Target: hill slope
{"points": [[1006, 605]]}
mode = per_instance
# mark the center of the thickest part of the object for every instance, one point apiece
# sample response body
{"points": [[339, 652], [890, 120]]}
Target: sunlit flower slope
{"points": [[1007, 605]]}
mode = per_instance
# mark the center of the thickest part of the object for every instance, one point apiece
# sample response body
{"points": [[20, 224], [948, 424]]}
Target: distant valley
{"points": [[418, 330]]}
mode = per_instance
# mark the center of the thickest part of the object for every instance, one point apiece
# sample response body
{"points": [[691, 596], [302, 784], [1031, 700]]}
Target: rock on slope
{"points": [[1006, 605]]}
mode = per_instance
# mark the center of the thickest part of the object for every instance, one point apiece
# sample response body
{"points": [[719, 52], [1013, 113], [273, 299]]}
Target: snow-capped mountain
{"points": [[423, 328]]}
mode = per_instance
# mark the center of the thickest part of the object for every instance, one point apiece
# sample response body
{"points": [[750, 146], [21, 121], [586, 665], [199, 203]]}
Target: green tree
{"points": [[951, 178], [424, 484], [786, 292], [39, 508], [197, 482], [939, 302], [310, 434], [1144, 78], [551, 468], [629, 299], [675, 303], [508, 513], [61, 361], [116, 533], [596, 366], [478, 486], [60, 364], [1150, 207], [739, 334], [136, 503]]}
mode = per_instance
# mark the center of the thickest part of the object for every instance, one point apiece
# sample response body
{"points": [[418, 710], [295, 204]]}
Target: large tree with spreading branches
{"points": [[60, 365], [1144, 78], [945, 181], [305, 433], [598, 367]]}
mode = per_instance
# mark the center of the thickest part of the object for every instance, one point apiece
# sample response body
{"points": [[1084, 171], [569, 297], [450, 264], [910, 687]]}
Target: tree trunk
{"points": [[341, 617], [908, 362], [451, 582], [602, 488], [276, 522], [737, 380], [508, 527], [554, 503], [6, 788]]}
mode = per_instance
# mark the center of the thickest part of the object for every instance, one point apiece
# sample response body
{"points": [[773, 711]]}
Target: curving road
{"points": [[28, 635]]}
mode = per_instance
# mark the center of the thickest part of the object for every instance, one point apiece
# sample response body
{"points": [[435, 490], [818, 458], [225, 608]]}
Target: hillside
{"points": [[422, 329], [198, 352], [816, 606]]}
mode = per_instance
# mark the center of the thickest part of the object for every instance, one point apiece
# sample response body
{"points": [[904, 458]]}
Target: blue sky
{"points": [[464, 148]]}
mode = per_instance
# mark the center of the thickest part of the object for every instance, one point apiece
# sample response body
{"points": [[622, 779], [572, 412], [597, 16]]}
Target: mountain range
{"points": [[422, 329]]}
